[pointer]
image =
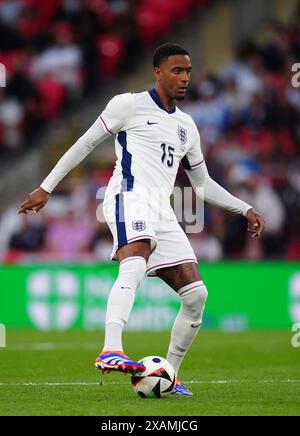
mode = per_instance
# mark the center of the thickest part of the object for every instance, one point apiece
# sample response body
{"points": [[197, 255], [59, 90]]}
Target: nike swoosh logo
{"points": [[150, 124], [195, 325], [124, 287]]}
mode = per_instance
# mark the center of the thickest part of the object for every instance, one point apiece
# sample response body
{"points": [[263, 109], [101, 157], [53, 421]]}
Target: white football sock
{"points": [[187, 322], [121, 299]]}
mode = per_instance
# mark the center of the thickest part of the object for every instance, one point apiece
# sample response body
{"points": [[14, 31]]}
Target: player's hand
{"points": [[34, 201], [256, 223]]}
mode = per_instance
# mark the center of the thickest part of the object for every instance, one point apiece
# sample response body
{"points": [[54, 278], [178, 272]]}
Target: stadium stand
{"points": [[247, 114], [56, 52]]}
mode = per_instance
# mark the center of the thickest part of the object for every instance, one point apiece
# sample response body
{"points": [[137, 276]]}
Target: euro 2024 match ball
{"points": [[158, 379]]}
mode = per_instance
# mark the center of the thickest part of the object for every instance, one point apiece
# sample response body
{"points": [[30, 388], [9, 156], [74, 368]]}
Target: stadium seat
{"points": [[174, 10], [11, 60], [111, 50], [52, 95], [151, 24]]}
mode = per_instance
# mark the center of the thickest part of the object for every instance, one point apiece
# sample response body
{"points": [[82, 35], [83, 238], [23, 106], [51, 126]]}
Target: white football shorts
{"points": [[130, 219]]}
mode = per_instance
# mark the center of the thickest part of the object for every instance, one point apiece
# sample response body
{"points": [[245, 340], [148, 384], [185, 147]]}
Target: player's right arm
{"points": [[111, 121]]}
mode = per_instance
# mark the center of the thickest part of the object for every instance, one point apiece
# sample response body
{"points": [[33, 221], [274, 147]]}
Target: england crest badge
{"points": [[139, 226], [182, 135]]}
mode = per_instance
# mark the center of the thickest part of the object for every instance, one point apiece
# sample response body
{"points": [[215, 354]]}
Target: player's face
{"points": [[173, 76]]}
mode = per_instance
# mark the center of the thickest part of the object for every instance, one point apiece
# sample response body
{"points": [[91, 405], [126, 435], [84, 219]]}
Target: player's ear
{"points": [[157, 73]]}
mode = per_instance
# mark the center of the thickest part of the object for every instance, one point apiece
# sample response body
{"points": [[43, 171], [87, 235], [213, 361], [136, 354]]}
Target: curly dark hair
{"points": [[165, 50]]}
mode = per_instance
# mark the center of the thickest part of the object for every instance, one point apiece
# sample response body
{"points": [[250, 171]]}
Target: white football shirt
{"points": [[150, 143]]}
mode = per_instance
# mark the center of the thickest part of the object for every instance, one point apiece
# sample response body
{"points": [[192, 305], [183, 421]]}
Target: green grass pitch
{"points": [[253, 373]]}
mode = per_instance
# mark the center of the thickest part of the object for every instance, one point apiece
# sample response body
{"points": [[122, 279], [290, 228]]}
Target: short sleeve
{"points": [[117, 113], [194, 157]]}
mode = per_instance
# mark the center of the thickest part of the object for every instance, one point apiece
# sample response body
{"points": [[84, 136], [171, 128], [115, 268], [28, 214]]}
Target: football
{"points": [[158, 379]]}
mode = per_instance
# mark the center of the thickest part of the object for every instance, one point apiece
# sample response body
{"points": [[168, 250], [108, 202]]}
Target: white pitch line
{"points": [[31, 384], [203, 382], [224, 382], [52, 346]]}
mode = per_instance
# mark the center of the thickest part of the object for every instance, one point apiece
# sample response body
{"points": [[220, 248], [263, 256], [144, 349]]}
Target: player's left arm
{"points": [[210, 191]]}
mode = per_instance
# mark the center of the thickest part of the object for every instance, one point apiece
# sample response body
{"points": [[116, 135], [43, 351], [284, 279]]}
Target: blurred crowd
{"points": [[248, 116], [249, 119], [56, 52], [71, 227]]}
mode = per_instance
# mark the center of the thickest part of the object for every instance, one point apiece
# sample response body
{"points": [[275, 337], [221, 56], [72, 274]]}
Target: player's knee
{"points": [[132, 270], [194, 301], [197, 302]]}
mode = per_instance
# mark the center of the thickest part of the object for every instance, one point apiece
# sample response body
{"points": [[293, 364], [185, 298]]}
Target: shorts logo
{"points": [[182, 135], [139, 226]]}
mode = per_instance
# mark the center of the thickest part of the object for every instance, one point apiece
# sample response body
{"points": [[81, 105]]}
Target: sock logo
{"points": [[195, 325], [125, 287]]}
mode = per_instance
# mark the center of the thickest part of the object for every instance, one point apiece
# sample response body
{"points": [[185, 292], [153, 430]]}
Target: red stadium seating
{"points": [[52, 94], [111, 50]]}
